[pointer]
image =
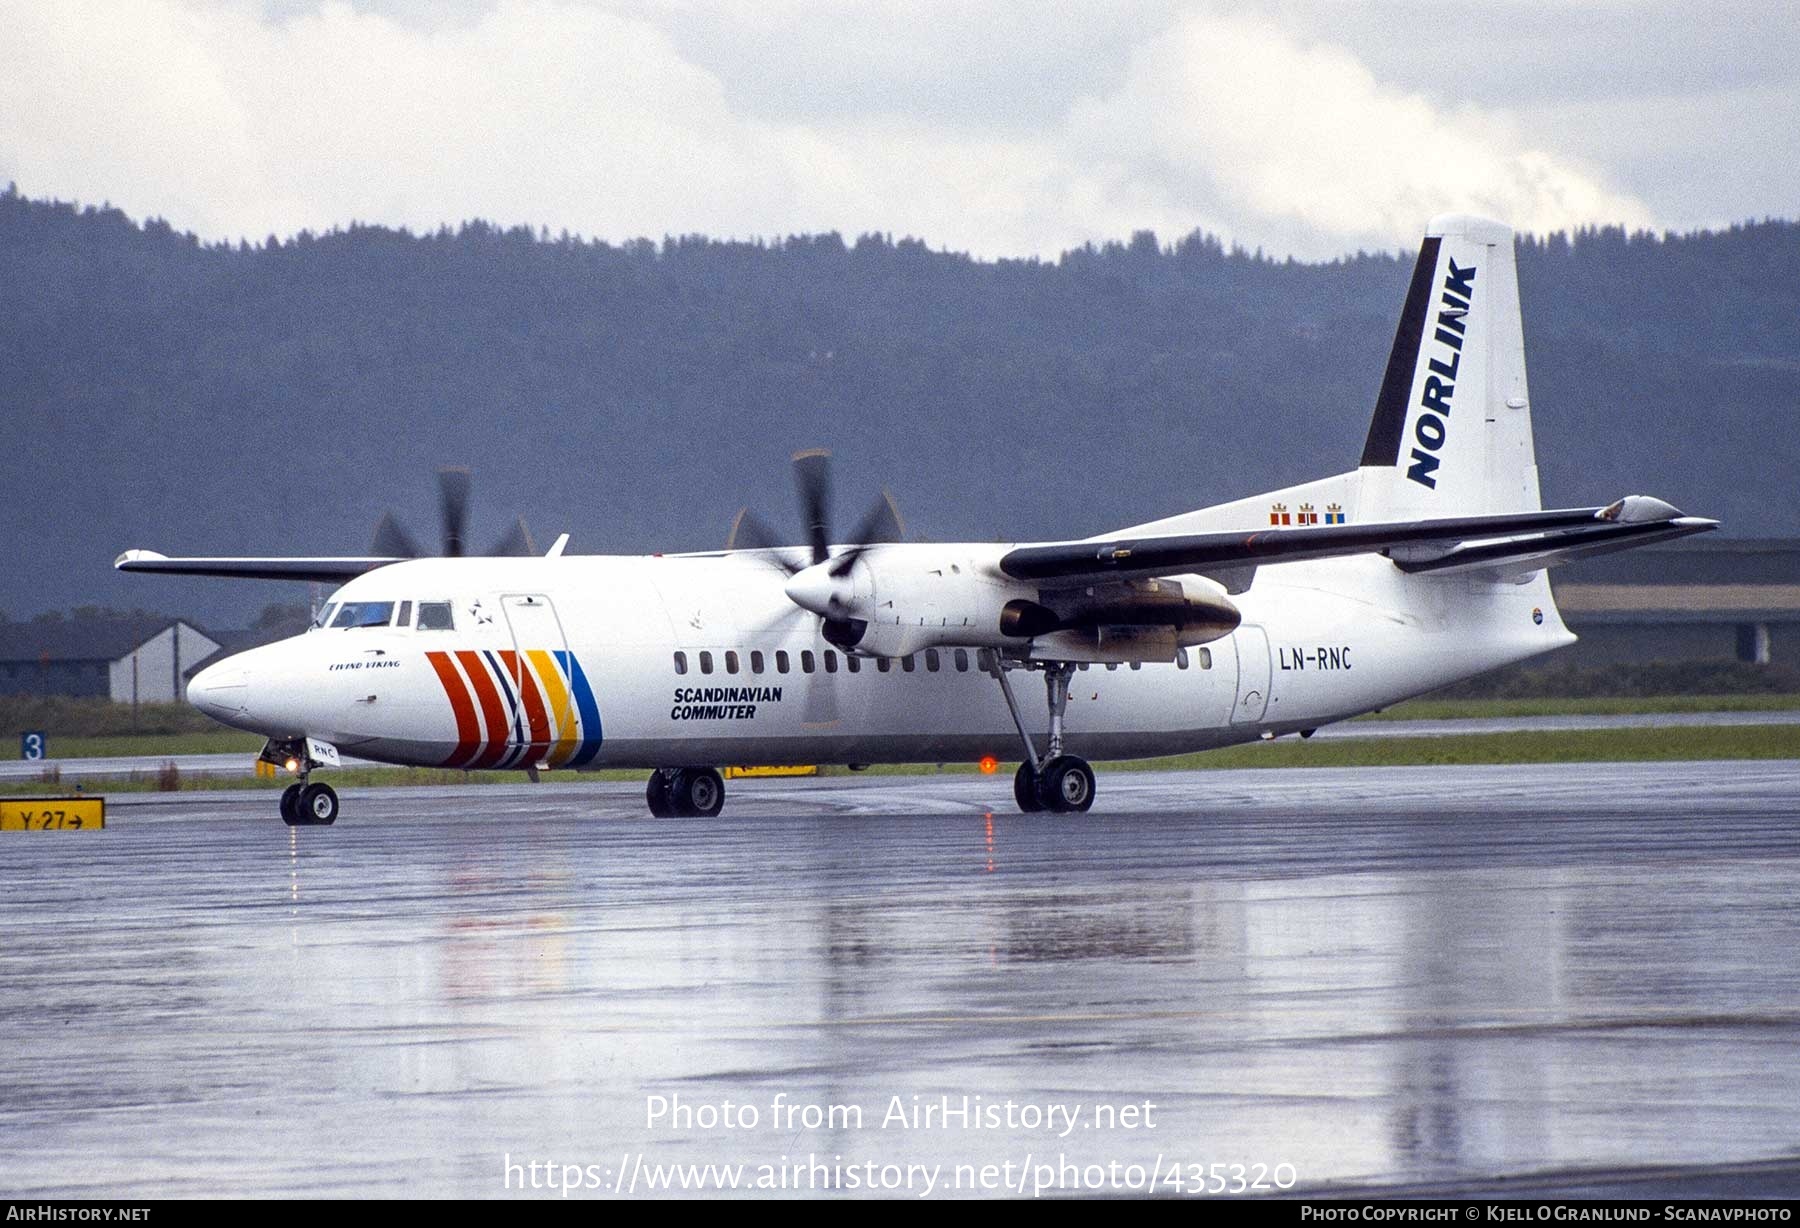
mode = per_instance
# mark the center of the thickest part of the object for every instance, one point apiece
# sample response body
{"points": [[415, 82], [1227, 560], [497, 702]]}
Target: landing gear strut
{"points": [[687, 793], [1062, 784]]}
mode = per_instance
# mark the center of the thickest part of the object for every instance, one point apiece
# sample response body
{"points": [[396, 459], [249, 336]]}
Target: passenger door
{"points": [[1253, 674], [543, 676]]}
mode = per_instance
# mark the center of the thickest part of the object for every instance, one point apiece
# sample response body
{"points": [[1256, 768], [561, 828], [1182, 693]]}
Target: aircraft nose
{"points": [[219, 690]]}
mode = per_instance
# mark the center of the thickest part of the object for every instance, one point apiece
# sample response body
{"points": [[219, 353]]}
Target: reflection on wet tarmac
{"points": [[1374, 976]]}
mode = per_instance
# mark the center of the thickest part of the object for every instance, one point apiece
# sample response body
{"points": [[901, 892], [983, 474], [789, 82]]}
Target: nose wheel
{"points": [[309, 805], [1059, 783]]}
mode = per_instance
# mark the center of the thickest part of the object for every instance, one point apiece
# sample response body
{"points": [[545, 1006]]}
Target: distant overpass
{"points": [[1703, 599]]}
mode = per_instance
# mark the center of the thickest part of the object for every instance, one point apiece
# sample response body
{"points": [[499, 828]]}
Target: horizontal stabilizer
{"points": [[336, 569], [1522, 555]]}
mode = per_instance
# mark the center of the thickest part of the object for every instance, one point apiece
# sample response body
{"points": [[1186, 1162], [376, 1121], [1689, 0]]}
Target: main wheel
{"points": [[657, 794], [697, 793], [1025, 789], [318, 805], [290, 805], [1066, 785]]}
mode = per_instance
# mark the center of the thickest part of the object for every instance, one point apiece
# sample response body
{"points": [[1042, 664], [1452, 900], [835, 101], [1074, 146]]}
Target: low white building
{"points": [[129, 660]]}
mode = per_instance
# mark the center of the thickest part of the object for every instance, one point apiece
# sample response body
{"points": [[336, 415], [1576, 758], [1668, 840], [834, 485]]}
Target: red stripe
{"points": [[536, 716], [499, 729], [468, 733]]}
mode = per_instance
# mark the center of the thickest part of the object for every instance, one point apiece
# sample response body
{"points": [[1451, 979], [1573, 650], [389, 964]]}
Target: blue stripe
{"points": [[517, 735], [584, 703]]}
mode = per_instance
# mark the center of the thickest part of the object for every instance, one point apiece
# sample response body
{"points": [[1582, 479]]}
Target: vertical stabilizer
{"points": [[1451, 434]]}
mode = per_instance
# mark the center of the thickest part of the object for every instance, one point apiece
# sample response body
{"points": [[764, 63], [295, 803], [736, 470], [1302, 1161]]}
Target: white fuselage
{"points": [[590, 662]]}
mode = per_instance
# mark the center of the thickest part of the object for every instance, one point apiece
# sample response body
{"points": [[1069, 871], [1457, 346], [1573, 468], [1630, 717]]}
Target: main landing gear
{"points": [[1062, 784], [688, 793], [309, 805]]}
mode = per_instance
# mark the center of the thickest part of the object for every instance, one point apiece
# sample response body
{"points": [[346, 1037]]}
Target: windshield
{"points": [[323, 617], [364, 614]]}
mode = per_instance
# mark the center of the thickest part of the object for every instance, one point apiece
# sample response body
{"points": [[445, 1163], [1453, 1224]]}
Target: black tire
{"points": [[1066, 785], [318, 806], [1025, 789], [656, 793], [290, 805], [698, 793]]}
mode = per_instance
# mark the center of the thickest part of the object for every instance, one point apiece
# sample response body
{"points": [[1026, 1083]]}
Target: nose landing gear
{"points": [[1059, 783], [303, 804]]}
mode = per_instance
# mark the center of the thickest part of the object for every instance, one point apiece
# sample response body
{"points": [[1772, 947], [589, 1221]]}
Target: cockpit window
{"points": [[405, 619], [323, 618], [364, 614], [435, 616]]}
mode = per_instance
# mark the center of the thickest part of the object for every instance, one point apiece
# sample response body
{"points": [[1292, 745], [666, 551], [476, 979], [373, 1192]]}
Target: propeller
{"points": [[393, 541], [817, 580], [880, 525]]}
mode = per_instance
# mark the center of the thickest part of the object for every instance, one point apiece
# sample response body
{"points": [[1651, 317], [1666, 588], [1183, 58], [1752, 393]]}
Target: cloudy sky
{"points": [[1000, 127]]}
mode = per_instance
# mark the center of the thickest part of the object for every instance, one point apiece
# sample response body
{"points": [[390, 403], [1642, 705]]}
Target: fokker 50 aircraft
{"points": [[1269, 615]]}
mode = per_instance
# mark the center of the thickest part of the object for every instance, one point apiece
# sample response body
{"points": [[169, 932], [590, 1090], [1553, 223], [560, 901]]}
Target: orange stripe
{"points": [[535, 716], [492, 710], [468, 732]]}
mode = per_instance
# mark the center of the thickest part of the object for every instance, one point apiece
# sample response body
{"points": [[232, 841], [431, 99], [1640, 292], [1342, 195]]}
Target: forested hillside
{"points": [[161, 392]]}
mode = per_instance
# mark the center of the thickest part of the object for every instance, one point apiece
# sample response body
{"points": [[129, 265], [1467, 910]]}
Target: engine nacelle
{"points": [[916, 596], [1134, 620], [900, 599]]}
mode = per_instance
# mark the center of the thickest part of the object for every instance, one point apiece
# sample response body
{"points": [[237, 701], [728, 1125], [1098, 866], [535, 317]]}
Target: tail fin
{"points": [[1451, 434]]}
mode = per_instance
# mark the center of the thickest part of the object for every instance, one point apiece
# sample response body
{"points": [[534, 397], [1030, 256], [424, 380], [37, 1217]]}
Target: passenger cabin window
{"points": [[1137, 665], [907, 663], [806, 661], [731, 663], [962, 661], [706, 662], [830, 661], [781, 661], [884, 664], [435, 616], [681, 662], [1205, 657], [853, 664], [756, 662], [1181, 660], [932, 662], [364, 614]]}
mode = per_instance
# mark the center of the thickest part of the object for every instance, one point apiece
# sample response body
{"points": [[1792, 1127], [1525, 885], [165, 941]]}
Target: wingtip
{"points": [[124, 561]]}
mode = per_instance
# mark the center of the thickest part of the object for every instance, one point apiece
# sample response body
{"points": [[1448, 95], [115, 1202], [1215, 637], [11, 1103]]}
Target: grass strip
{"points": [[1550, 746]]}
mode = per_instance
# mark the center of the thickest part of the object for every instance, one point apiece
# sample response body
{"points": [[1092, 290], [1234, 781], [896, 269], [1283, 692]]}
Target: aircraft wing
{"points": [[336, 569], [1458, 542]]}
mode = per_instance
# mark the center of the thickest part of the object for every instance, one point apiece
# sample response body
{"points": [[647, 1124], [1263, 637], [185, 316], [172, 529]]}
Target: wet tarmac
{"points": [[1433, 980]]}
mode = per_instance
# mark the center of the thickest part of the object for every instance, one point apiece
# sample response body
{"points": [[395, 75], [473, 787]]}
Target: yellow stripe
{"points": [[560, 709]]}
